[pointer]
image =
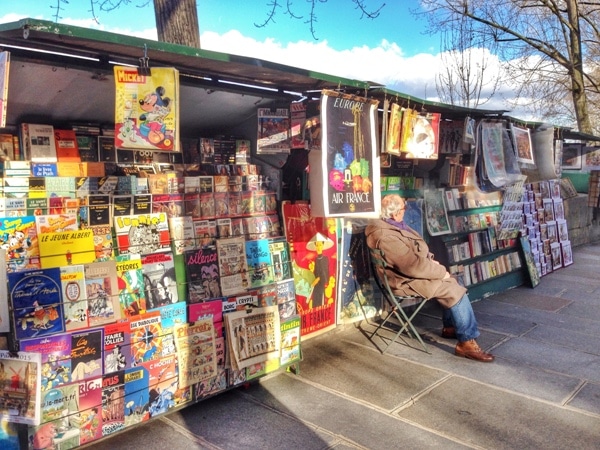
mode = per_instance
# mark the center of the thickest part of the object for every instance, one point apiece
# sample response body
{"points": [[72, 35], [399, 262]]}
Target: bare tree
{"points": [[465, 78], [311, 18], [547, 44]]}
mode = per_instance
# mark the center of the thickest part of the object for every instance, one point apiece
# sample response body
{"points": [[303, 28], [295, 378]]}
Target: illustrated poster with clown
{"points": [[313, 251], [147, 109], [343, 181]]}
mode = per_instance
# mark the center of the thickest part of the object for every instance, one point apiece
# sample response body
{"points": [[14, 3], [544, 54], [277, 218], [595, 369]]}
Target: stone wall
{"points": [[583, 224]]}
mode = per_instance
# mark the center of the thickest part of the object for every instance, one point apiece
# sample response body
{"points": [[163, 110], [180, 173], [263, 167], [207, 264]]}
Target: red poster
{"points": [[313, 249]]}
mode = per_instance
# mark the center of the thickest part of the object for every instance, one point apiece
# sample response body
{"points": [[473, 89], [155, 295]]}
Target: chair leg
{"points": [[406, 325]]}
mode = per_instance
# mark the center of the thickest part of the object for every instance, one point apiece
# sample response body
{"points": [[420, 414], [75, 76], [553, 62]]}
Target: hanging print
{"points": [[147, 109], [420, 134], [347, 158]]}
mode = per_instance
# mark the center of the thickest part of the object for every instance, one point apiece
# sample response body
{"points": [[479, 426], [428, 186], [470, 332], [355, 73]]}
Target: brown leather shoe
{"points": [[471, 350], [449, 333]]}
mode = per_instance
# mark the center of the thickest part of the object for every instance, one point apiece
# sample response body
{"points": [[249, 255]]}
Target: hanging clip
{"points": [[144, 69]]}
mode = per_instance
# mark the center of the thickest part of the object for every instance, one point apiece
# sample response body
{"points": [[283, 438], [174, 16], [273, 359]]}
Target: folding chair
{"points": [[395, 301]]}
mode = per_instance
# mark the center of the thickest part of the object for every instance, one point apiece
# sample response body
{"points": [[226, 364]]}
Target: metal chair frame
{"points": [[395, 301]]}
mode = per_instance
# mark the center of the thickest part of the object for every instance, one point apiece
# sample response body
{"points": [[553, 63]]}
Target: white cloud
{"points": [[385, 64]]}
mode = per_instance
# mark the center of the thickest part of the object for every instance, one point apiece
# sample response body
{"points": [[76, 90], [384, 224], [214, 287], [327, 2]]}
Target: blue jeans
{"points": [[462, 318]]}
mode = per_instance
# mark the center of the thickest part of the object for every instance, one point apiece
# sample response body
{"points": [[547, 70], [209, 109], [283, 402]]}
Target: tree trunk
{"points": [[577, 82], [177, 22]]}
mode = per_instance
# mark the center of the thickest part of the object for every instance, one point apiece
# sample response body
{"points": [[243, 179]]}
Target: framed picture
{"points": [[534, 275], [522, 143], [591, 158], [436, 215], [571, 156], [556, 252], [567, 253]]}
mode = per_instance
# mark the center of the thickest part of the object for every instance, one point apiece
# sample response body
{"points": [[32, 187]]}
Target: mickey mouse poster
{"points": [[146, 109]]}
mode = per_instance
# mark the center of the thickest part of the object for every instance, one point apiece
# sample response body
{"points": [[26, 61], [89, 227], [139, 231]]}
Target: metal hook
{"points": [[144, 68]]}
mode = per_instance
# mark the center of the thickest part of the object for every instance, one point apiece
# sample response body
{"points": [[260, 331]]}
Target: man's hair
{"points": [[390, 205]]}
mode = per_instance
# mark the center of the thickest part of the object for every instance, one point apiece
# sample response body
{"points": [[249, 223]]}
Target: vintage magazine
{"points": [[203, 278], [233, 267], [273, 131], [142, 233], [160, 280], [253, 336], [147, 109], [195, 352], [20, 397], [67, 247], [19, 233]]}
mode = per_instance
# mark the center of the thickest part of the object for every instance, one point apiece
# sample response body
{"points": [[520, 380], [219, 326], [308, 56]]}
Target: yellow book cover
{"points": [[66, 248], [147, 109]]}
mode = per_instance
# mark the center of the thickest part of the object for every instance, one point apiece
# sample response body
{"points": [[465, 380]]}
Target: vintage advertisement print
{"points": [[348, 157]]}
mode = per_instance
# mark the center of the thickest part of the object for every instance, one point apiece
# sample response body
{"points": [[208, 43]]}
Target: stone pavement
{"points": [[543, 390]]}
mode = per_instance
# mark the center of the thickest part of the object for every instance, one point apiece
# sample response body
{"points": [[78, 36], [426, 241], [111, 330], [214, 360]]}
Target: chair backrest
{"points": [[379, 266]]}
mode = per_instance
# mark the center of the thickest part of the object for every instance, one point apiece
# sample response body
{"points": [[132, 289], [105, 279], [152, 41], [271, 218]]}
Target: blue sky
{"points": [[339, 21], [392, 49]]}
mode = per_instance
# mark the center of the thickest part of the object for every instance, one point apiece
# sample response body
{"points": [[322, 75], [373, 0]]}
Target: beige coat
{"points": [[413, 270]]}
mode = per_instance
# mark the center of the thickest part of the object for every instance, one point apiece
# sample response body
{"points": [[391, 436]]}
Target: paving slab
{"points": [[491, 418], [357, 422], [551, 357], [587, 398], [513, 375]]}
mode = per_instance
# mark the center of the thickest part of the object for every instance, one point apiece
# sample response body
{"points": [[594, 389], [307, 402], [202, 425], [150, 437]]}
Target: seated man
{"points": [[414, 272]]}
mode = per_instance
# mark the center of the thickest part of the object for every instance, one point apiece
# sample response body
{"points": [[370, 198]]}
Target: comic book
{"points": [[163, 391], [207, 205], [55, 223], [86, 354], [102, 292], [132, 289], [90, 410], [182, 234], [66, 247], [55, 351], [280, 259], [258, 258], [103, 242], [60, 411], [212, 309], [75, 305], [171, 316], [137, 395], [19, 236], [142, 233], [117, 347], [233, 268], [20, 397], [160, 279], [206, 233], [290, 340], [36, 297], [146, 337], [113, 402], [4, 309], [147, 109]]}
